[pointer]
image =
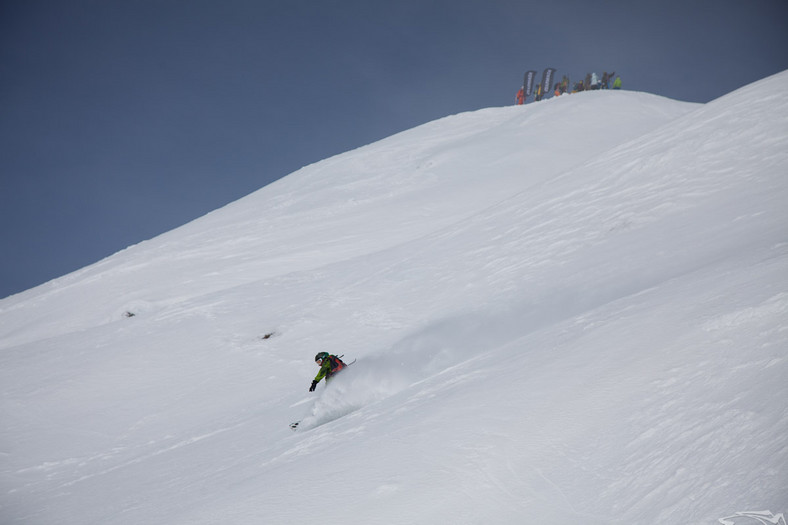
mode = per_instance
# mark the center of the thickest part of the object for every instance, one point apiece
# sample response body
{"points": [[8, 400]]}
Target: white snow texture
{"points": [[572, 311]]}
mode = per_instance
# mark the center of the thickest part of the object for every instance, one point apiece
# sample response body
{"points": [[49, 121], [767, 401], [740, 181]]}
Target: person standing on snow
{"points": [[520, 97], [329, 365], [617, 83]]}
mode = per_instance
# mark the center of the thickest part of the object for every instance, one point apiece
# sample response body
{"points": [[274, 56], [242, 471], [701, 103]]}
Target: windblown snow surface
{"points": [[574, 311]]}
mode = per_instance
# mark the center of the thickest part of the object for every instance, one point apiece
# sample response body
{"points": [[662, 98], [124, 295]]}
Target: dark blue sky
{"points": [[120, 120]]}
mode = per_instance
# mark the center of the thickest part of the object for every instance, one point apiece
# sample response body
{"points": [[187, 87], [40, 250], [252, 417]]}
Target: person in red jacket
{"points": [[521, 97]]}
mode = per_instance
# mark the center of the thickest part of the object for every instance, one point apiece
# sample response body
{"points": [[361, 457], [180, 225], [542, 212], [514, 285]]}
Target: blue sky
{"points": [[122, 120]]}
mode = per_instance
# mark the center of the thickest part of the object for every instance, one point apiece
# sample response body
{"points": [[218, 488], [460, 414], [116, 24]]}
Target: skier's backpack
{"points": [[336, 364]]}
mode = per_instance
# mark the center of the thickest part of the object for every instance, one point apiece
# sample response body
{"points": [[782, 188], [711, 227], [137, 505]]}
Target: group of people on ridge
{"points": [[589, 83], [592, 82]]}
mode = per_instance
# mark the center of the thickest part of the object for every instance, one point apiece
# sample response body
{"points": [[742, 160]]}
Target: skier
{"points": [[520, 98], [617, 83], [329, 365]]}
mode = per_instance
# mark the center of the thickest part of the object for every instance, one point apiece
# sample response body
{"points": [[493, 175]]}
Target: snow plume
{"points": [[429, 351], [461, 343]]}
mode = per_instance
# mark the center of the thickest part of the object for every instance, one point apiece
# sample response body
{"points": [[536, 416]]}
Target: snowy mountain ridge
{"points": [[571, 311]]}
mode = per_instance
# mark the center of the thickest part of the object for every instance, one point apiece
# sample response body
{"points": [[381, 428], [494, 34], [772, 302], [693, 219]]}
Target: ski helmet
{"points": [[320, 356]]}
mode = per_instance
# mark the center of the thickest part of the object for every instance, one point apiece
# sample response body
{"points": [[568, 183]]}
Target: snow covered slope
{"points": [[565, 312]]}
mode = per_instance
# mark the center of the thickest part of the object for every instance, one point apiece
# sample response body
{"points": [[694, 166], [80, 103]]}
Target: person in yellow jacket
{"points": [[617, 83]]}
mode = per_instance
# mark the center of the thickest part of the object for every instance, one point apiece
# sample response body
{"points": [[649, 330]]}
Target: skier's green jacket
{"points": [[325, 368], [331, 365]]}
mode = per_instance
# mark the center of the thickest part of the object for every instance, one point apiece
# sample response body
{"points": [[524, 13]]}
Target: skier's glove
{"points": [[314, 385]]}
